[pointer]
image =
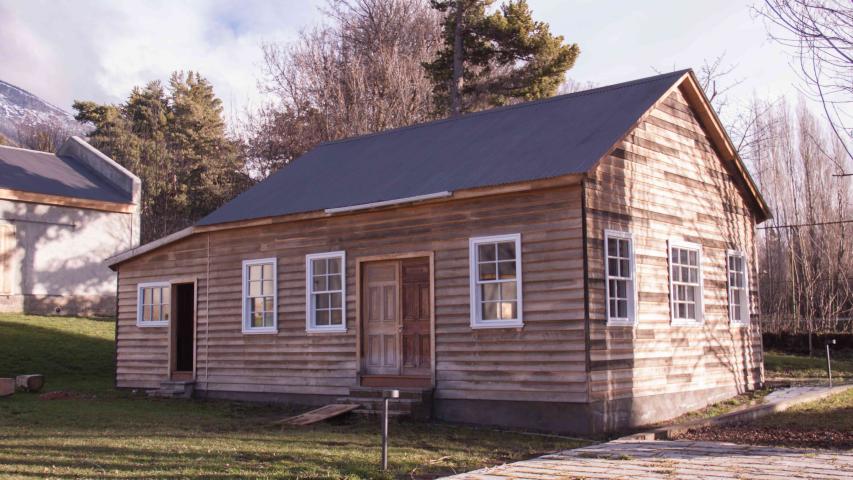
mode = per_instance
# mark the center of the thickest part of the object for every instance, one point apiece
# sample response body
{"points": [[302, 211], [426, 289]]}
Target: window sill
{"points": [[740, 324], [497, 324], [164, 323], [620, 323], [687, 323], [326, 330], [260, 331]]}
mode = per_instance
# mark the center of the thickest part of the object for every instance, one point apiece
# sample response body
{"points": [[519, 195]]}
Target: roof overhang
{"points": [[63, 201]]}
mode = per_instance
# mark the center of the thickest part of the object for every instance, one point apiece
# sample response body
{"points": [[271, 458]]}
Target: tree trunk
{"points": [[29, 383], [457, 81]]}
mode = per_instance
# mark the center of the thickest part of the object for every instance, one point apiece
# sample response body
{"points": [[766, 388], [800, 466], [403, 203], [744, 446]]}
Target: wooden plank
{"points": [[318, 415]]}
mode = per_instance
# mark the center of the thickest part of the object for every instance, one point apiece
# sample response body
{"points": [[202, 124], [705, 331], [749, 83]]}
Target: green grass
{"points": [[105, 433], [783, 365], [831, 413], [738, 402]]}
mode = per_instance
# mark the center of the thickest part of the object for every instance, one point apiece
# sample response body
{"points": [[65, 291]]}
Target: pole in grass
{"points": [[387, 395], [828, 362]]}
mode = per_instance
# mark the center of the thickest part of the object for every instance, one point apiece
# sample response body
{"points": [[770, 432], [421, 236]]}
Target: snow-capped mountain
{"points": [[19, 107]]}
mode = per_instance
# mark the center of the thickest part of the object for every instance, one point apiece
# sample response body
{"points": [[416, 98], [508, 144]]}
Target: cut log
{"points": [[7, 386], [29, 383]]}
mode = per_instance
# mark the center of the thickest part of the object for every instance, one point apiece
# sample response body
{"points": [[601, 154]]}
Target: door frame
{"points": [[428, 254], [173, 331]]}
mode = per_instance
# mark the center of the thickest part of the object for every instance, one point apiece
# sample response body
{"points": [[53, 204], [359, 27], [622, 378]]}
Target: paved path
{"points": [[669, 460]]}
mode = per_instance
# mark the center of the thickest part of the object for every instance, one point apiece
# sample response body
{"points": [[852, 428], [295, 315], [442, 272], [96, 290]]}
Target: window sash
{"points": [[738, 287], [325, 305], [260, 296], [153, 304], [685, 282], [495, 281], [620, 283]]}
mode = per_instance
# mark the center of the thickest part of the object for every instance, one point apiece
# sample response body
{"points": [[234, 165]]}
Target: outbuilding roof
{"points": [[50, 174], [535, 140]]}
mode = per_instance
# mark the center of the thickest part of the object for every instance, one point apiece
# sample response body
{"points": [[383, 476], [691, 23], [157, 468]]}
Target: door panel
{"points": [[416, 333], [381, 319], [183, 326]]}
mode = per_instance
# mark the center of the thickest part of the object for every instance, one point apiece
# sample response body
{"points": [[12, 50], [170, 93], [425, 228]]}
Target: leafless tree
{"points": [[42, 136], [821, 34], [360, 73]]}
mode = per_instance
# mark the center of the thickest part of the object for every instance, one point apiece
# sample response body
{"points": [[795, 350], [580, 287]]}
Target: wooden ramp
{"points": [[318, 415]]}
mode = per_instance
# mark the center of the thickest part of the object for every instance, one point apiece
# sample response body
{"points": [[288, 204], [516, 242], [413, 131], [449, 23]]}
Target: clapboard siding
{"points": [[544, 361], [665, 181]]}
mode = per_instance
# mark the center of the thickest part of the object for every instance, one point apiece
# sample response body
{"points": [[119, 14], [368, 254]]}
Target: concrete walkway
{"points": [[659, 459]]}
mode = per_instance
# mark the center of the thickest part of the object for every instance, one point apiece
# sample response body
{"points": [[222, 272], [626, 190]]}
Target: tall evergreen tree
{"points": [[492, 59], [175, 140]]}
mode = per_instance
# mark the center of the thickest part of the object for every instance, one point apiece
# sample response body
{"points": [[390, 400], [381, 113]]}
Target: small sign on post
{"points": [[387, 395], [828, 362]]}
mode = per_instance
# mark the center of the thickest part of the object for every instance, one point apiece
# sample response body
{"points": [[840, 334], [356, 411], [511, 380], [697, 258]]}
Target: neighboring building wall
{"points": [[480, 373], [665, 181], [53, 259]]}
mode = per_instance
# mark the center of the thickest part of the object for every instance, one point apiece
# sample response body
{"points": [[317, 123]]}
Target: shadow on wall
{"points": [[57, 260]]}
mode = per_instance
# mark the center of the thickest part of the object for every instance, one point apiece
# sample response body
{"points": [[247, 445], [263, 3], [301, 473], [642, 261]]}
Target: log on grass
{"points": [[29, 383], [7, 386]]}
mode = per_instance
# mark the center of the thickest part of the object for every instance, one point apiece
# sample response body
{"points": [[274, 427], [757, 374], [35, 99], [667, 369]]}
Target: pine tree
{"points": [[495, 59], [175, 141]]}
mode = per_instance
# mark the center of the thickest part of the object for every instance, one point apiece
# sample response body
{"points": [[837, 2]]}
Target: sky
{"points": [[98, 50]]}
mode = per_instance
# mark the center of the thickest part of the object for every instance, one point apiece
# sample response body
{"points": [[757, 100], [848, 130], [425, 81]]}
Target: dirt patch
{"points": [[775, 436], [65, 395]]}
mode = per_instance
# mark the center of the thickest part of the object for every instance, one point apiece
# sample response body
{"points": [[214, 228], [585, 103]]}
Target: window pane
{"points": [[319, 266], [256, 305], [336, 318], [486, 252], [691, 311], [622, 289], [490, 311], [156, 313], [624, 271], [487, 271], [490, 292], [623, 308], [507, 310], [319, 283], [268, 319], [674, 258], [146, 296], [254, 288], [166, 293], [506, 251], [694, 275], [334, 265], [676, 274], [682, 310], [623, 248], [508, 291], [257, 319], [267, 288], [322, 300], [165, 312], [268, 304], [506, 270], [334, 282], [267, 271], [255, 272], [146, 313], [157, 292], [335, 300], [613, 267], [322, 317], [694, 258], [612, 249]]}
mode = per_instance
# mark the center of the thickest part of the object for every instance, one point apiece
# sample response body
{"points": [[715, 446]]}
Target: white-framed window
{"points": [[495, 277], [619, 275], [325, 287], [738, 287], [153, 304], [685, 282], [260, 296]]}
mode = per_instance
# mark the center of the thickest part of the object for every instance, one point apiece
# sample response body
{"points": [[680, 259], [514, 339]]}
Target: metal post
{"points": [[386, 399], [828, 362]]}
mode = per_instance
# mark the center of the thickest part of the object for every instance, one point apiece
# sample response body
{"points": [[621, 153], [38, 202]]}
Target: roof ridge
{"points": [[540, 101]]}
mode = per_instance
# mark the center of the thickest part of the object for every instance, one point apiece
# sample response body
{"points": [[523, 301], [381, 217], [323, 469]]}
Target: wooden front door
{"points": [[381, 318], [396, 322], [416, 333]]}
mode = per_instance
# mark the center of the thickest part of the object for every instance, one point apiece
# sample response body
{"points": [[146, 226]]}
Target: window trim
{"points": [[476, 321], [741, 254], [159, 323], [700, 307], [633, 296], [310, 319], [246, 327]]}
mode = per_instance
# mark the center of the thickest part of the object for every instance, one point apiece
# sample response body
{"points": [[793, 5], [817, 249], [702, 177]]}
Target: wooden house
{"points": [[577, 264]]}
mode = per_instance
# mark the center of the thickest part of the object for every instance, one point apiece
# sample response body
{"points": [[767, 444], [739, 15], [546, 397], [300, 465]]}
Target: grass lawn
{"points": [[103, 433], [783, 365], [826, 423]]}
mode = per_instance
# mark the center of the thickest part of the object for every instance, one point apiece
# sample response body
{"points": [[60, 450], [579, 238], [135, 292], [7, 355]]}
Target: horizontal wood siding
{"points": [[543, 361], [665, 181]]}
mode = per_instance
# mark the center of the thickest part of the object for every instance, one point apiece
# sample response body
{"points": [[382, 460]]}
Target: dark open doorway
{"points": [[183, 327]]}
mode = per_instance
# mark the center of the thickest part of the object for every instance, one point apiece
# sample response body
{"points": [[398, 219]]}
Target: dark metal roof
{"points": [[536, 140], [46, 173]]}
